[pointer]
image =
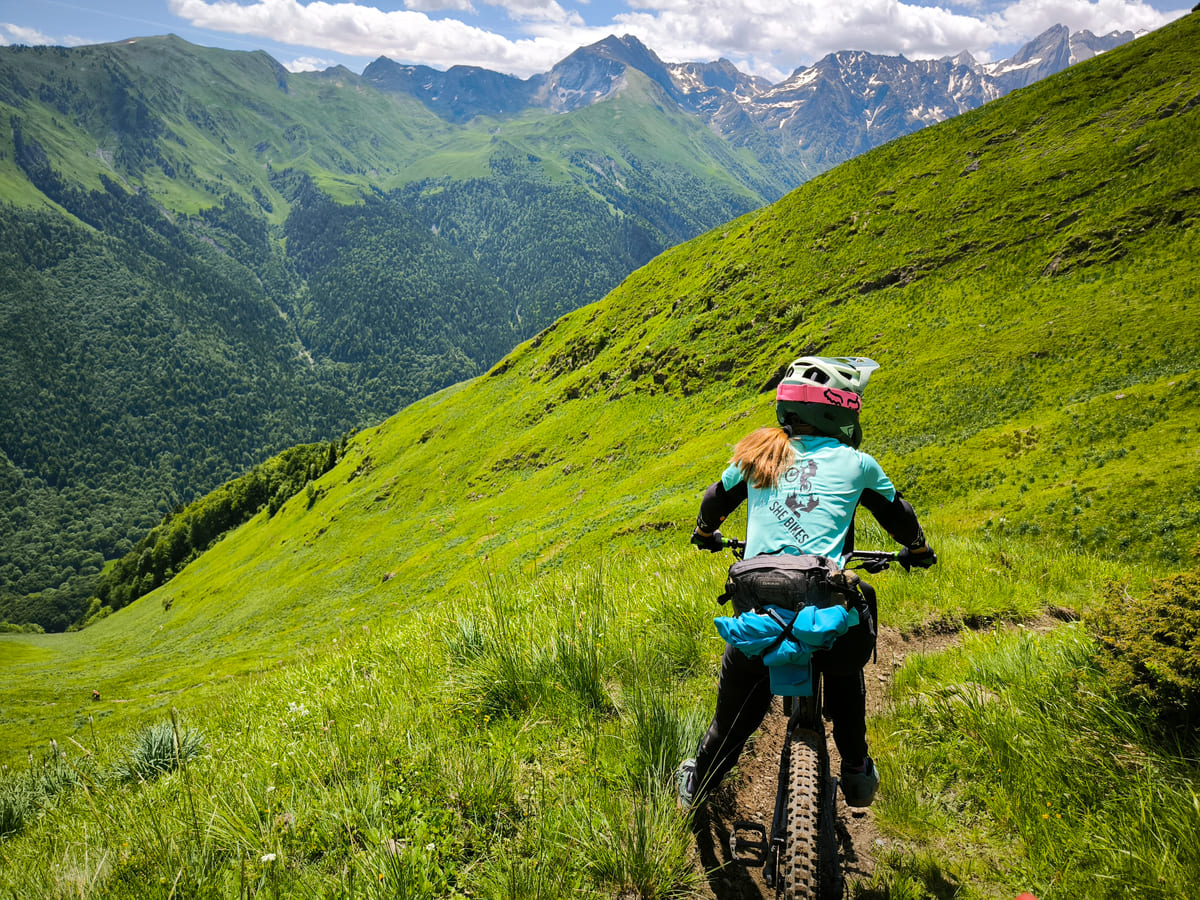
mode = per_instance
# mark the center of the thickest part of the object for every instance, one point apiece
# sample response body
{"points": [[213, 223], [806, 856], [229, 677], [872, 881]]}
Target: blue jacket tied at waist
{"points": [[788, 656]]}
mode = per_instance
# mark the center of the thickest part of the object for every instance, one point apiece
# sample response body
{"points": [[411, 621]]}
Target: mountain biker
{"points": [[803, 482]]}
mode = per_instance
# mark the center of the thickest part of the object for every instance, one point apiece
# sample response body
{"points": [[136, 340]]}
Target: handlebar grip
{"points": [[872, 561]]}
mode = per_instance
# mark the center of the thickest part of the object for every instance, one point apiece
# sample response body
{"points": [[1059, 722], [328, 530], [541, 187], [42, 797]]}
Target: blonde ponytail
{"points": [[763, 456]]}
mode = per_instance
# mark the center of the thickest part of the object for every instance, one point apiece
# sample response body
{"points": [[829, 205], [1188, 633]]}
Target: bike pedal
{"points": [[748, 843]]}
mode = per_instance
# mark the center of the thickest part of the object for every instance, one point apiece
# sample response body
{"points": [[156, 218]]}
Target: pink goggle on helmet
{"points": [[826, 393]]}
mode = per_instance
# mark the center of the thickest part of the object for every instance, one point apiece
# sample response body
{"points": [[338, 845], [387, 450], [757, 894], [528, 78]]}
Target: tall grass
{"points": [[447, 756], [24, 794], [664, 731], [637, 845], [1011, 741], [984, 578]]}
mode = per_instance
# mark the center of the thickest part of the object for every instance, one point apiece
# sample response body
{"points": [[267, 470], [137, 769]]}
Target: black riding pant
{"points": [[744, 696]]}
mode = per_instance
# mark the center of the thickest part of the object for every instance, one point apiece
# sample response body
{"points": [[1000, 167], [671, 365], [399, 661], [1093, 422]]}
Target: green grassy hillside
{"points": [[193, 124], [492, 587]]}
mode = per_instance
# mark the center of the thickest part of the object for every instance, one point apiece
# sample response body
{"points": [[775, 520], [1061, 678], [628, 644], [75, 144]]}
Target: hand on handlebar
{"points": [[713, 543], [921, 557]]}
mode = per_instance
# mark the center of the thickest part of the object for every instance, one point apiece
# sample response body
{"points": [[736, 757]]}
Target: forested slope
{"points": [[207, 259], [117, 366]]}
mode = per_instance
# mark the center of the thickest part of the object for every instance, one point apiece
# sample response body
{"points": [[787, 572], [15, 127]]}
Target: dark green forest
{"points": [[144, 364], [131, 380], [560, 246]]}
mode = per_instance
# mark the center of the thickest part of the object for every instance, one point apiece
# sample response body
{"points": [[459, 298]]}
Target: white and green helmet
{"points": [[826, 393]]}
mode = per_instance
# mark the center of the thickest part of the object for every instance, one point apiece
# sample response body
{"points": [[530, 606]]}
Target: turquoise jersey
{"points": [[812, 507]]}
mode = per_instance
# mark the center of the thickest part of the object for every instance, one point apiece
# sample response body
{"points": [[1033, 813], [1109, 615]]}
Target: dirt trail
{"points": [[745, 802]]}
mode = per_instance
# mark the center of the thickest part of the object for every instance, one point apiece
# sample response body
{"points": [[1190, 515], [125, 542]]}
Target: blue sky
{"points": [[765, 37]]}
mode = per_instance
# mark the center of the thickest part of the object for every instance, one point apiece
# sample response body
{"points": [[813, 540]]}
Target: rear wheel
{"points": [[808, 867]]}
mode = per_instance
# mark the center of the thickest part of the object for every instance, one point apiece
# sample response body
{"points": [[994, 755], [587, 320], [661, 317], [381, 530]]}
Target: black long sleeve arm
{"points": [[897, 518], [717, 504]]}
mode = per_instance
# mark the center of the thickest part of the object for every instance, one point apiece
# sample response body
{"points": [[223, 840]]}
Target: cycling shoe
{"points": [[685, 780], [859, 787]]}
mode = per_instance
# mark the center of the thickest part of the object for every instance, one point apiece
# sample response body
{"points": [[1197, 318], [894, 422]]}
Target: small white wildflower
{"points": [[268, 857]]}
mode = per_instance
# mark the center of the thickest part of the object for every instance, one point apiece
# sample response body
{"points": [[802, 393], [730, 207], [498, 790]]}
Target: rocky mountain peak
{"points": [[846, 102], [1051, 51]]}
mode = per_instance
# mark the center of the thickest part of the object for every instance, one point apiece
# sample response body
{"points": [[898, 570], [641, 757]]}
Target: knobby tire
{"points": [[808, 867]]}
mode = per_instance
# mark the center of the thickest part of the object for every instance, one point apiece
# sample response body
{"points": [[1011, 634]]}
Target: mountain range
{"points": [[207, 259], [821, 114]]}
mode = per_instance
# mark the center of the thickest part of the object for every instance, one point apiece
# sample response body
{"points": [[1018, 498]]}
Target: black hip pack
{"points": [[792, 582]]}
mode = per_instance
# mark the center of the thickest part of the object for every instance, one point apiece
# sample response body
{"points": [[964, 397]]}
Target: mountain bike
{"points": [[802, 856]]}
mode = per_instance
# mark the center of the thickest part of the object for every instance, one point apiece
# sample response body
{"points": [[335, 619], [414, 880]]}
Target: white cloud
{"points": [[1028, 18], [308, 64], [17, 34], [364, 31], [537, 11], [440, 5]]}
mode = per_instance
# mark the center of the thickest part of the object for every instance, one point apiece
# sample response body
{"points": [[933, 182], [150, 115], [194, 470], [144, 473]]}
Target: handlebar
{"points": [[738, 547], [872, 561]]}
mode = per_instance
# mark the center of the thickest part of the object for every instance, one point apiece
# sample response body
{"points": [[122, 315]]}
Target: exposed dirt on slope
{"points": [[743, 806]]}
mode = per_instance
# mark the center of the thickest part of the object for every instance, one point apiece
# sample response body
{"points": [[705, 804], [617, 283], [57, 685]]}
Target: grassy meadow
{"points": [[466, 662]]}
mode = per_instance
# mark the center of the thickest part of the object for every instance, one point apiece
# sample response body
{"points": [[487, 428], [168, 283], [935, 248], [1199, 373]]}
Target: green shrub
{"points": [[1150, 651], [27, 628], [160, 748], [24, 794], [18, 804]]}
